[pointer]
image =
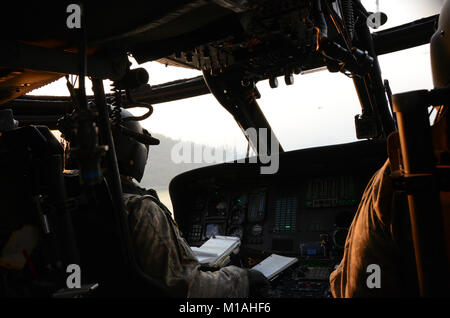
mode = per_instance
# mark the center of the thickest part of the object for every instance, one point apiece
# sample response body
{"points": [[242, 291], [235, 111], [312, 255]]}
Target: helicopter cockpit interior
{"points": [[303, 208]]}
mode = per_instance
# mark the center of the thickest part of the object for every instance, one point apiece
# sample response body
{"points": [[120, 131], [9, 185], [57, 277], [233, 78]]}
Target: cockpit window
{"points": [[303, 116], [403, 11], [300, 116], [187, 128]]}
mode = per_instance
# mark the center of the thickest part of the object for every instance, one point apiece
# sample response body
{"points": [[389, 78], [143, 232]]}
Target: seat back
{"points": [[35, 232], [59, 222]]}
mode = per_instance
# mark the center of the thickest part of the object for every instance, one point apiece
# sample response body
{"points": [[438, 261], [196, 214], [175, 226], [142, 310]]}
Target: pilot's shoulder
{"points": [[381, 194], [136, 202]]}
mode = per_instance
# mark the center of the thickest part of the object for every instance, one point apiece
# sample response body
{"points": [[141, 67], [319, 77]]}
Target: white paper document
{"points": [[274, 264], [214, 251]]}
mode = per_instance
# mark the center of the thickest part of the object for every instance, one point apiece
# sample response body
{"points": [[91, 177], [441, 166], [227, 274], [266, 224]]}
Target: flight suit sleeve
{"points": [[370, 241], [165, 256]]}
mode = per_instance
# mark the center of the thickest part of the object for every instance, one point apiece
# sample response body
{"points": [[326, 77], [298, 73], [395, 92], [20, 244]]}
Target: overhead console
{"points": [[303, 210]]}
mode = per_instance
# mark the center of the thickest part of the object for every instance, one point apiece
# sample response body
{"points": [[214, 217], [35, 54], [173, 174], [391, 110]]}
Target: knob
{"points": [[289, 79], [273, 82]]}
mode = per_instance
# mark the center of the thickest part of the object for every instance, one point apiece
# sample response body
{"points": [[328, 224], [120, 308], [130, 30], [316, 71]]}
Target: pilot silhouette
{"points": [[380, 235], [160, 249]]}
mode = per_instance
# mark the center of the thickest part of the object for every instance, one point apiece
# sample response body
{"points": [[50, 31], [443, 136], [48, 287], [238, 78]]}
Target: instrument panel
{"points": [[224, 212], [303, 211], [305, 219]]}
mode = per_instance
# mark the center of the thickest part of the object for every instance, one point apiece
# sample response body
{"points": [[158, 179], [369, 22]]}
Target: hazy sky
{"points": [[318, 109]]}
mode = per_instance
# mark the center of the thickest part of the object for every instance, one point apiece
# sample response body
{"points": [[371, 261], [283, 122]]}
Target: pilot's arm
{"points": [[164, 255], [380, 236]]}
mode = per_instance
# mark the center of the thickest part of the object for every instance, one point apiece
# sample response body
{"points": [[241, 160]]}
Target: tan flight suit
{"points": [[165, 256], [381, 234], [377, 236]]}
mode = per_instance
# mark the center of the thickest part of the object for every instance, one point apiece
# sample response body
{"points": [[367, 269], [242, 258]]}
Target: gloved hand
{"points": [[259, 285]]}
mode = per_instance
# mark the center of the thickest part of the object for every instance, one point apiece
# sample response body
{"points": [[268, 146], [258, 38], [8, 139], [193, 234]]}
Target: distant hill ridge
{"points": [[160, 167]]}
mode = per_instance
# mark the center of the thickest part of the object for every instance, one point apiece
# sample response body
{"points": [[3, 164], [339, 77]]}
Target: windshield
{"points": [[403, 11], [301, 117], [317, 110]]}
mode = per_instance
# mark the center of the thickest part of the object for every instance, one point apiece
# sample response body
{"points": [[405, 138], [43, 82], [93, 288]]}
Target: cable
{"points": [[348, 18], [142, 117], [334, 18]]}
